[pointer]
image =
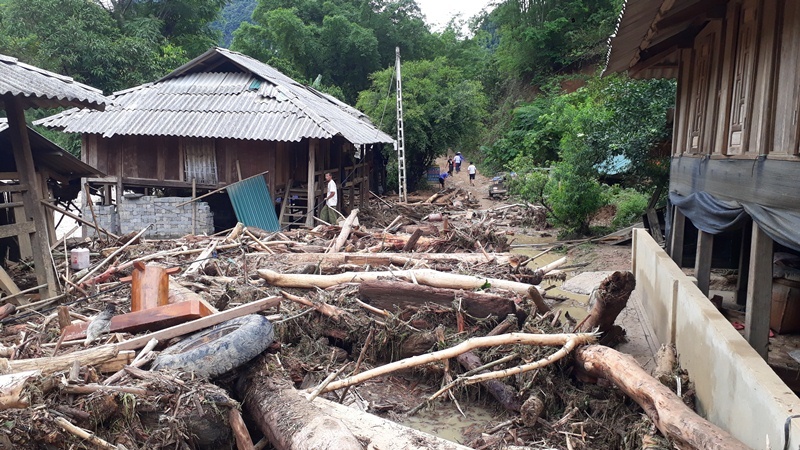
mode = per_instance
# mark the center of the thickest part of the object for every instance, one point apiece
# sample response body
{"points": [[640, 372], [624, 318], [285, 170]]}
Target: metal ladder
{"points": [[400, 142]]}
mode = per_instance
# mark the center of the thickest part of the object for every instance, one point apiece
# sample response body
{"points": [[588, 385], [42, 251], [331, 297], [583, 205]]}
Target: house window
{"points": [[200, 160]]}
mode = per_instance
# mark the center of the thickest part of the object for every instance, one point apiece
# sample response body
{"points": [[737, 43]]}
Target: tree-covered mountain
{"points": [[234, 13]]}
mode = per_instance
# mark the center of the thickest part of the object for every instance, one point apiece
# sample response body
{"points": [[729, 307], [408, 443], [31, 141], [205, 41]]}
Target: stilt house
{"points": [[736, 141], [25, 175], [221, 118]]}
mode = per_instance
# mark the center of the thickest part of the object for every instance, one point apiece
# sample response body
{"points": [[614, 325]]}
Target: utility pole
{"points": [[400, 142]]}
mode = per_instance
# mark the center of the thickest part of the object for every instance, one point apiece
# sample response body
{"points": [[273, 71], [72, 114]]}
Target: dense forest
{"points": [[520, 92]]}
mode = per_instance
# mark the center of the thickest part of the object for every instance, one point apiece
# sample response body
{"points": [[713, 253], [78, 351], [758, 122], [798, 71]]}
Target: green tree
{"points": [[541, 37], [80, 39], [341, 40], [235, 13], [579, 135], [442, 110]]}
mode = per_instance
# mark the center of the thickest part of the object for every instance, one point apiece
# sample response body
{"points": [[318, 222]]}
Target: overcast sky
{"points": [[439, 12]]}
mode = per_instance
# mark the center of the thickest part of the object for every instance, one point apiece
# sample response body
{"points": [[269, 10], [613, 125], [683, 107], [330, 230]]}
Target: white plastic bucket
{"points": [[79, 258]]}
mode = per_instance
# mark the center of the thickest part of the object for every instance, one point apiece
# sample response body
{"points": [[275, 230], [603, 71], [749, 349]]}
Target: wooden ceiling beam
{"points": [[701, 11]]}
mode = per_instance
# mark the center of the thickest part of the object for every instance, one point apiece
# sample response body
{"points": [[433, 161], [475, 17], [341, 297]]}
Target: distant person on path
{"points": [[329, 213], [449, 165], [472, 171], [442, 177], [457, 161]]}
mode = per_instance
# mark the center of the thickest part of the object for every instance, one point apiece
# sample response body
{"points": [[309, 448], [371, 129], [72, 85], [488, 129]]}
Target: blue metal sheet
{"points": [[253, 204]]}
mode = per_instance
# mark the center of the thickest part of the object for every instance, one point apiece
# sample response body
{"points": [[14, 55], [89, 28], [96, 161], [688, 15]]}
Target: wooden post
{"points": [[702, 262], [194, 204], [759, 292], [33, 211], [676, 243], [312, 167], [91, 208], [744, 264]]}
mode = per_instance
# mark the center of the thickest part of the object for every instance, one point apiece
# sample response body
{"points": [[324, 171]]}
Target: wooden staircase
{"points": [[293, 207]]}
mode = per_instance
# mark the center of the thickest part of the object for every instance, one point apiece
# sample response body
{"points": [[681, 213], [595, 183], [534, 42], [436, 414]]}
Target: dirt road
{"points": [[480, 189]]}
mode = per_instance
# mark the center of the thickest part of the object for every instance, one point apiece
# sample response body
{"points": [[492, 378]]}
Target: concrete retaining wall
{"points": [[736, 389], [167, 219]]}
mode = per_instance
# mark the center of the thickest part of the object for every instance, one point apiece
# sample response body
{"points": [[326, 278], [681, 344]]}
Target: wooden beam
{"points": [[702, 262], [7, 284], [742, 280], [759, 292], [146, 320], [698, 12], [79, 219], [23, 158], [312, 164], [199, 324], [16, 229], [13, 187]]}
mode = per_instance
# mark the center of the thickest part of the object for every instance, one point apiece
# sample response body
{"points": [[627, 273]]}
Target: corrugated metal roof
{"points": [[258, 102], [252, 203], [47, 154], [43, 89]]}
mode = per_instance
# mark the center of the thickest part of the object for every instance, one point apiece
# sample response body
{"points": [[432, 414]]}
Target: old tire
{"points": [[223, 347]]}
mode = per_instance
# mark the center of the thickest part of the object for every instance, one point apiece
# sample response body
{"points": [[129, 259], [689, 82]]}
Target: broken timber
{"points": [[290, 421], [428, 277], [667, 411], [387, 294]]}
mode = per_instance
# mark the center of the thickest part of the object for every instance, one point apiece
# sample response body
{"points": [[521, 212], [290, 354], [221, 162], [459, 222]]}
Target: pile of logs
{"points": [[351, 306]]}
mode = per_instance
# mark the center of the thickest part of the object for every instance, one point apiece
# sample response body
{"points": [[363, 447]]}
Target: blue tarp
{"points": [[715, 216]]}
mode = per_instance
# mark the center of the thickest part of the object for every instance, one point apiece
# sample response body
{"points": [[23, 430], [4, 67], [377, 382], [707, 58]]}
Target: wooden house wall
{"points": [[157, 161], [739, 101], [739, 84]]}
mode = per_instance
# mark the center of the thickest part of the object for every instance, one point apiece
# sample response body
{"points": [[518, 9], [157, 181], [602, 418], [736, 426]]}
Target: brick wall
{"points": [[167, 218]]}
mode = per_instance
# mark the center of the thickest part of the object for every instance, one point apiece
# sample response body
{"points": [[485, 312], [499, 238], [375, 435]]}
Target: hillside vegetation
{"points": [[520, 93]]}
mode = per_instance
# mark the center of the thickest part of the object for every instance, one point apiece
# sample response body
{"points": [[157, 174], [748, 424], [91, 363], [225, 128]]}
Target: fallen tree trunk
{"points": [[608, 300], [11, 389], [331, 260], [347, 226], [667, 411], [398, 242], [387, 294], [423, 276], [90, 357], [503, 393], [291, 422]]}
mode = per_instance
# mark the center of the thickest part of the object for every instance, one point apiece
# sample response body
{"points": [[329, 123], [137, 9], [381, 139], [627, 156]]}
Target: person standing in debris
{"points": [[457, 161], [329, 213], [442, 177], [449, 165], [472, 171]]}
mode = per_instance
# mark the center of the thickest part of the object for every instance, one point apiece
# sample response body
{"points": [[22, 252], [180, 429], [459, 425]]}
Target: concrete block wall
{"points": [[736, 389], [167, 218], [106, 216]]}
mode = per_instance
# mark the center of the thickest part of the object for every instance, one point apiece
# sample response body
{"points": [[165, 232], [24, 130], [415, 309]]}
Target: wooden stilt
{"points": [[676, 243], [759, 292], [702, 264]]}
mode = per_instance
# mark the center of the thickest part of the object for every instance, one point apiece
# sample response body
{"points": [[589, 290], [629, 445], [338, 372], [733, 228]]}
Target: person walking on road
{"points": [[472, 171], [449, 166], [457, 162], [329, 213]]}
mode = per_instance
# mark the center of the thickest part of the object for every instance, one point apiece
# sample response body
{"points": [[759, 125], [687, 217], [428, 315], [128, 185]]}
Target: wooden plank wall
{"points": [[739, 85], [159, 161]]}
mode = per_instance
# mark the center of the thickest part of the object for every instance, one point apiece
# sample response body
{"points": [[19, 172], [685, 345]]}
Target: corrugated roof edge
{"points": [[47, 73], [611, 38]]}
